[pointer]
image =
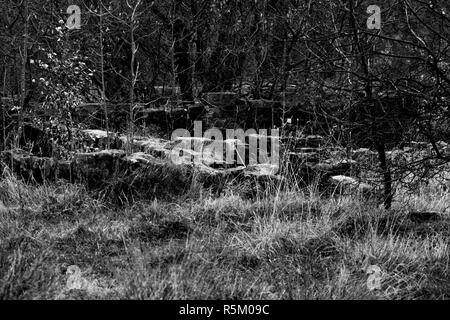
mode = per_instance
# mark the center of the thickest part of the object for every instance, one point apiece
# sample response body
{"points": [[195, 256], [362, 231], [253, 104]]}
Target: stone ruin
{"points": [[308, 157]]}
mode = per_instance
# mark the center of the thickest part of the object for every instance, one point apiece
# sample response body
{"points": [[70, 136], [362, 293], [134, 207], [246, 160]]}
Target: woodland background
{"points": [[87, 114]]}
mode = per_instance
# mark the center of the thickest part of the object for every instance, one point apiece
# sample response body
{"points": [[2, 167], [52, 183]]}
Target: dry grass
{"points": [[284, 244]]}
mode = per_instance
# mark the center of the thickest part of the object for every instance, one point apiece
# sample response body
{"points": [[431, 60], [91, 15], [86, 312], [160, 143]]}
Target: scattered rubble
{"points": [[308, 157], [346, 185]]}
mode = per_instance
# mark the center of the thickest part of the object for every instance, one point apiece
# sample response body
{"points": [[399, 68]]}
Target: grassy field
{"points": [[61, 241]]}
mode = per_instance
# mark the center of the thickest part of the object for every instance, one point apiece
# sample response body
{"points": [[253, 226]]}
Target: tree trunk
{"points": [[23, 73], [375, 136], [387, 177], [182, 60], [102, 70], [4, 104]]}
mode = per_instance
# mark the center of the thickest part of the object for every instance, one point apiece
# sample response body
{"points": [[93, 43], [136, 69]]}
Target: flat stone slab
{"points": [[349, 184]]}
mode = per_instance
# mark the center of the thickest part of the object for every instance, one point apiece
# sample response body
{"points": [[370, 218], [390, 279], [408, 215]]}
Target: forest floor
{"points": [[61, 241]]}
